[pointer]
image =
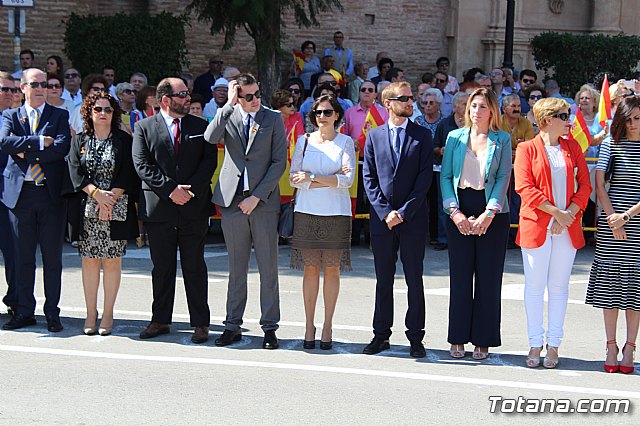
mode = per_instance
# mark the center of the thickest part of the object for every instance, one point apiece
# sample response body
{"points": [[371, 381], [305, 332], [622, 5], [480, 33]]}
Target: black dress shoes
{"points": [[377, 345], [309, 344], [417, 350], [11, 312], [19, 321], [200, 334], [228, 337], [154, 330], [53, 324], [270, 340]]}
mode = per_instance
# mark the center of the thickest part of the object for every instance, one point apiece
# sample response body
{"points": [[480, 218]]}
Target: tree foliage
{"points": [[154, 45], [262, 20], [576, 59]]}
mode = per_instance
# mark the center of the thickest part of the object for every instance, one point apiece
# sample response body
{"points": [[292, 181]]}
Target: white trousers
{"points": [[547, 267]]}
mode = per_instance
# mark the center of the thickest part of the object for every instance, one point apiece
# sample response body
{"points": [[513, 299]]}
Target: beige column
{"points": [[606, 16]]}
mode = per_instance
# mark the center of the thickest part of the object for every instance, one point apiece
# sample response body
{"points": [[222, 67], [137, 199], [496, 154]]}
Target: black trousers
{"points": [[164, 241], [9, 250], [476, 264], [385, 254], [362, 206]]}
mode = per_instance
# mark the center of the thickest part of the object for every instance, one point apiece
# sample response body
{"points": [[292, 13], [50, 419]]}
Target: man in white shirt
{"points": [[71, 92]]}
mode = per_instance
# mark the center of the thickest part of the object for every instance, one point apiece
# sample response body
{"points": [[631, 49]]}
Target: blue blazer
{"points": [[402, 188], [497, 173], [16, 137]]}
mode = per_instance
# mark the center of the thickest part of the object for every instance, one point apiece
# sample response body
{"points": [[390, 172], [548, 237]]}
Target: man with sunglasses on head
{"points": [[175, 164], [72, 92], [255, 157], [398, 164], [36, 137], [527, 78]]}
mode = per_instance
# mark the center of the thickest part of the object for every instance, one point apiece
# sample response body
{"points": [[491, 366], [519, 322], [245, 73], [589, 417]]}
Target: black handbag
{"points": [[285, 221]]}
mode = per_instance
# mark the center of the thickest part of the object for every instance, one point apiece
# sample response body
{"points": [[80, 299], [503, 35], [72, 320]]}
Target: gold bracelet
{"points": [[93, 193]]}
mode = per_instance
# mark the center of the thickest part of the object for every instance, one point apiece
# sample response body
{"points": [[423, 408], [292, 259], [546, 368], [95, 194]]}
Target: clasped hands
{"points": [[106, 200], [616, 223], [181, 195], [472, 225], [563, 220]]}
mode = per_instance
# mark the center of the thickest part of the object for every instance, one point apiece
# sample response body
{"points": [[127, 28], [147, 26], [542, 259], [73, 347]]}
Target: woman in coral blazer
{"points": [[552, 178]]}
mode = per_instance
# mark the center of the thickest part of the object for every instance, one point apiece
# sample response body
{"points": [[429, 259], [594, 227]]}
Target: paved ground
{"points": [[69, 378]]}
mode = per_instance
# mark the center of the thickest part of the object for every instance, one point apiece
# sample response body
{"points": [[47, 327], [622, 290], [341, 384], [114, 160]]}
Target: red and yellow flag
{"points": [[298, 60], [337, 76], [604, 108], [371, 121], [580, 131]]}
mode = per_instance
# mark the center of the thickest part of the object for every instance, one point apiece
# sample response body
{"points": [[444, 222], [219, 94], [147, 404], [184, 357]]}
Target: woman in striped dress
{"points": [[614, 281]]}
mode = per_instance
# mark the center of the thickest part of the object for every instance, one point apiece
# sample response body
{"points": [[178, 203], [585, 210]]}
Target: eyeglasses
{"points": [[71, 75], [130, 92], [98, 89], [290, 104], [36, 84], [331, 82], [55, 86], [528, 81], [326, 112], [182, 95], [7, 89], [496, 74], [428, 103], [535, 97], [564, 116], [294, 91], [439, 80], [106, 110], [401, 98], [249, 96], [367, 89]]}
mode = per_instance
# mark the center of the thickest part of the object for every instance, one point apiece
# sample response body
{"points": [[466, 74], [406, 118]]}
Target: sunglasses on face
{"points": [[326, 112], [535, 97], [36, 84], [130, 92], [98, 89], [249, 96], [564, 116], [496, 74], [401, 98], [331, 82], [439, 80], [55, 86], [71, 75], [182, 94], [428, 103], [106, 110], [528, 81], [290, 105], [294, 91], [367, 89], [7, 89]]}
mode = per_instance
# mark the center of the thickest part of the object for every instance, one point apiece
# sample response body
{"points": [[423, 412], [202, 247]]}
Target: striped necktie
{"points": [[36, 171]]}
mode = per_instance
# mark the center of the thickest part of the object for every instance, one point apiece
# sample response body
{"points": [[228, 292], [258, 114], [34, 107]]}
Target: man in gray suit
{"points": [[249, 198]]}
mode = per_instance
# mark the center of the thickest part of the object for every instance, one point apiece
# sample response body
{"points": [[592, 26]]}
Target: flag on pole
{"points": [[580, 132], [298, 60], [604, 107]]}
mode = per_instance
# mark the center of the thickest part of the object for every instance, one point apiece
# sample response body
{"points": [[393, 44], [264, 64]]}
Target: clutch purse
{"points": [[118, 213]]}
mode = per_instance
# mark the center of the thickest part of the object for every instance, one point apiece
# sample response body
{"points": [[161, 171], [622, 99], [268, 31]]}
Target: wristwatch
{"points": [[312, 177], [490, 214], [626, 217]]}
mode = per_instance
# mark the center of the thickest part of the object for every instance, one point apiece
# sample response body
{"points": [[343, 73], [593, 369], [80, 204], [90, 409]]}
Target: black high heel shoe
{"points": [[310, 344], [325, 346]]}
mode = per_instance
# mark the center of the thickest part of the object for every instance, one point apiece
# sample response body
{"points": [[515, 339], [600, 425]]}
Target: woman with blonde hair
{"points": [[476, 169]]}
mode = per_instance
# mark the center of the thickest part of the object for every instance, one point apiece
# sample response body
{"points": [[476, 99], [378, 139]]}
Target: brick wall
{"points": [[412, 31]]}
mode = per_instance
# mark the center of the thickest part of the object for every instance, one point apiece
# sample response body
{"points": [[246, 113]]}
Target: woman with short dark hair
{"points": [[101, 168], [322, 169], [311, 65]]}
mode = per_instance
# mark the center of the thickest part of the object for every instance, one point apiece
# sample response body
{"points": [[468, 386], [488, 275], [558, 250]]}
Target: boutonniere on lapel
{"points": [[23, 119], [253, 130], [82, 150]]}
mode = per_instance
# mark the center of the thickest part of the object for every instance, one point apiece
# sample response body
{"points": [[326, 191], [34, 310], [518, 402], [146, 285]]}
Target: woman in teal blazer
{"points": [[476, 167]]}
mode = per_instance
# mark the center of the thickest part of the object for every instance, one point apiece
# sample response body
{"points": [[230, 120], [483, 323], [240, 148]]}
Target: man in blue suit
{"points": [[398, 161], [36, 137]]}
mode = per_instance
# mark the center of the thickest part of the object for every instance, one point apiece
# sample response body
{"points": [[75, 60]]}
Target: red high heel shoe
{"points": [[616, 367], [623, 368]]}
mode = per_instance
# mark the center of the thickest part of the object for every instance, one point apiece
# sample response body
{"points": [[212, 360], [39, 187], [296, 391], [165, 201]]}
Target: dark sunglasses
{"points": [[55, 86], [36, 84], [535, 97], [294, 91], [331, 82], [564, 116], [428, 103], [182, 95], [99, 109], [98, 89], [72, 75], [367, 89], [290, 104], [439, 80], [526, 80], [401, 98], [249, 96], [130, 92], [326, 112], [7, 89]]}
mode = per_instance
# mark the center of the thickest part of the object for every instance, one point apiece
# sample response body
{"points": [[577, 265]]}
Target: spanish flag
{"points": [[337, 76], [298, 60], [604, 108], [580, 132], [372, 120]]}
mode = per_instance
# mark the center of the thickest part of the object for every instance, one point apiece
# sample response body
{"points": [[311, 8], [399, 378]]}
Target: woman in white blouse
{"points": [[322, 169]]}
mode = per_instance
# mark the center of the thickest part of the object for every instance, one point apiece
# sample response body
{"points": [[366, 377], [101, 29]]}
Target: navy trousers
{"points": [[8, 248]]}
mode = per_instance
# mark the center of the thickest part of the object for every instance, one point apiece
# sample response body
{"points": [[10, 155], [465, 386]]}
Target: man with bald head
{"points": [[36, 137], [175, 164]]}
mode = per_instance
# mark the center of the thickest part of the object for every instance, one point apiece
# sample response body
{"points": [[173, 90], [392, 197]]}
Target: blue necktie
{"points": [[397, 143], [247, 127]]}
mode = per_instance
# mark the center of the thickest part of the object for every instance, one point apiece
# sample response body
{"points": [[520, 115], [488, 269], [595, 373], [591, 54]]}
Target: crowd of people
{"points": [[441, 162]]}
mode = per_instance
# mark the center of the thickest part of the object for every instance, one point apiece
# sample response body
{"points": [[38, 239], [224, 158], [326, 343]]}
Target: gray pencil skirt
{"points": [[321, 241]]}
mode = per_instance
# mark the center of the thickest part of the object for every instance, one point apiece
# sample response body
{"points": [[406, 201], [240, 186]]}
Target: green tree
{"points": [[262, 20]]}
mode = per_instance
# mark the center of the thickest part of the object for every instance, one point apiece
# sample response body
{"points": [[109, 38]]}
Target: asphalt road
{"points": [[72, 379]]}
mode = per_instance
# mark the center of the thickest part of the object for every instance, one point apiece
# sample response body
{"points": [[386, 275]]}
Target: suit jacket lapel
{"points": [[405, 145], [24, 120], [386, 145], [253, 131], [491, 149], [163, 133], [44, 118]]}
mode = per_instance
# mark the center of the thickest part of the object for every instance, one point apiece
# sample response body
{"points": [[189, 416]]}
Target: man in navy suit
{"points": [[398, 160], [36, 137]]}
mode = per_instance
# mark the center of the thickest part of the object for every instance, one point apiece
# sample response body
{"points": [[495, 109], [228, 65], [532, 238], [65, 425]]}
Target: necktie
{"points": [[35, 170], [176, 135], [247, 128], [397, 143]]}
